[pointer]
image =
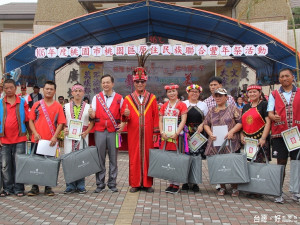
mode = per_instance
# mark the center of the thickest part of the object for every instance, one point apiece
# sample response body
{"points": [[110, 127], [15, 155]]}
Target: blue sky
{"points": [[2, 2]]}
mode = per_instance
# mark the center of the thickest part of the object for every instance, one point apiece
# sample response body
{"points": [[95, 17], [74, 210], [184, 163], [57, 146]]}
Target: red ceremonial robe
{"points": [[142, 122]]}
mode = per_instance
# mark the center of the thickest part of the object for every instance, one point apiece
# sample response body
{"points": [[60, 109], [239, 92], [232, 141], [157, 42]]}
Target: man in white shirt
{"points": [[106, 110]]}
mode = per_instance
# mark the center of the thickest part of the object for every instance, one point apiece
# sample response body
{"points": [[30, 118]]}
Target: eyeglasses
{"points": [[139, 81], [23, 88]]}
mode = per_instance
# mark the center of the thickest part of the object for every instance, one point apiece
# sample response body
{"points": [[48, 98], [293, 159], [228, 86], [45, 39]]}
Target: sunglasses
{"points": [[23, 88], [139, 81]]}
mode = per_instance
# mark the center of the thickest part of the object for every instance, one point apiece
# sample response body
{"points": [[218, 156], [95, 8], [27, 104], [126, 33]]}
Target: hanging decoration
{"points": [[165, 49]]}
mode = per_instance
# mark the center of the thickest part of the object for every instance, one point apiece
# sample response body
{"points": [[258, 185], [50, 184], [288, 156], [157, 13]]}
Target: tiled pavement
{"points": [[124, 207]]}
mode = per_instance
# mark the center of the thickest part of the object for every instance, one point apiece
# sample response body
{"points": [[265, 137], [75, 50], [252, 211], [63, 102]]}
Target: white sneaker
{"points": [[296, 197], [279, 200]]}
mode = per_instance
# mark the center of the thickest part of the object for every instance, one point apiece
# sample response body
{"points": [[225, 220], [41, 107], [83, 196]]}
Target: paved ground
{"points": [[124, 207]]}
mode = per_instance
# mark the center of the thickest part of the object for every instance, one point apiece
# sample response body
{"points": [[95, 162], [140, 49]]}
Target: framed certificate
{"points": [[170, 125], [196, 141], [250, 147], [291, 138], [75, 129]]}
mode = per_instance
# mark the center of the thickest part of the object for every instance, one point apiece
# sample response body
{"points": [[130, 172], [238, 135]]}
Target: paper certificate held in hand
{"points": [[44, 148], [75, 129], [170, 125], [196, 141], [291, 138], [220, 132], [250, 147]]}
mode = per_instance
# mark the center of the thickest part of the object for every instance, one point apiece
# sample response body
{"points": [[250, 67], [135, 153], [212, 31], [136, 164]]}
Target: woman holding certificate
{"points": [[223, 122], [255, 121], [196, 112], [256, 125], [172, 118]]}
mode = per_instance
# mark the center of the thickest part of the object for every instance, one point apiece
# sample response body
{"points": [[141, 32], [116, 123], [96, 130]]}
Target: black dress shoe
{"points": [[195, 188], [185, 187], [134, 189], [149, 190]]}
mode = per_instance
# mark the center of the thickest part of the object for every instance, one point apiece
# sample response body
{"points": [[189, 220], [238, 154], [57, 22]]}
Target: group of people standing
{"points": [[109, 113]]}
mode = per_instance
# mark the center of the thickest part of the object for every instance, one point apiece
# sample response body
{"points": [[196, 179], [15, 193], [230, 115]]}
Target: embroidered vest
{"points": [[288, 111], [20, 112], [102, 121]]}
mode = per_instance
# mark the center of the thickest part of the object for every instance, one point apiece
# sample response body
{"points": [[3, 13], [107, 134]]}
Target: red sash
{"points": [[47, 117], [42, 102]]}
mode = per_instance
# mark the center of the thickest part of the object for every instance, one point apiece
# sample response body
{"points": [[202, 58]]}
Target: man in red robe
{"points": [[140, 111]]}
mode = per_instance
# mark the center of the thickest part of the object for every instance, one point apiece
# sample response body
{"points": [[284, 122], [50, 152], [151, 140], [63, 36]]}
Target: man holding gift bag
{"points": [[77, 110], [13, 116], [106, 110], [284, 113], [46, 120]]}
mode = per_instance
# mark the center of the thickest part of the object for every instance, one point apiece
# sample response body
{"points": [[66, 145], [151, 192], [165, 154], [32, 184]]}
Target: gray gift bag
{"points": [[265, 178], [169, 165], [295, 175], [195, 174], [36, 169], [228, 168], [79, 164]]}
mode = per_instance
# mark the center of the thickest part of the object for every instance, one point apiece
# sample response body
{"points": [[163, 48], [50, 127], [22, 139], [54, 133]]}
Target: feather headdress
{"points": [[139, 72]]}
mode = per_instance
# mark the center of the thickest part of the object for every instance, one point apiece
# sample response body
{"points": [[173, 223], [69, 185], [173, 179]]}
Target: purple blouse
{"points": [[230, 117]]}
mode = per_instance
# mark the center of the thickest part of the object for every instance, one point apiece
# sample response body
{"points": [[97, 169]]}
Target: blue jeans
{"points": [[77, 185], [8, 155]]}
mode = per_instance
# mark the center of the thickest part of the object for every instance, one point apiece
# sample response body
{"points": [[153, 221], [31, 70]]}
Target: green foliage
{"points": [[296, 15]]}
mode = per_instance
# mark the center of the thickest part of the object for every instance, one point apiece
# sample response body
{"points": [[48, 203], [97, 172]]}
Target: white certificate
{"points": [[250, 147], [75, 129], [170, 125], [220, 132], [291, 138], [44, 148], [196, 141]]}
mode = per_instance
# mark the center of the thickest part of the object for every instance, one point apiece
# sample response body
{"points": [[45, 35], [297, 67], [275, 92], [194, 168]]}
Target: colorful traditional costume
{"points": [[253, 121], [195, 112], [81, 112], [141, 123], [177, 110]]}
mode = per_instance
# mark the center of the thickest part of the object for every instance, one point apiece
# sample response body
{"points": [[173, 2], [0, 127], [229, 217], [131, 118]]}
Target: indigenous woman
{"points": [[221, 115], [255, 121], [173, 107], [196, 112]]}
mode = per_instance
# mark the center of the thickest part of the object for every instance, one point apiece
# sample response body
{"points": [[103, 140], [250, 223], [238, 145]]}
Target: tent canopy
{"points": [[149, 18]]}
